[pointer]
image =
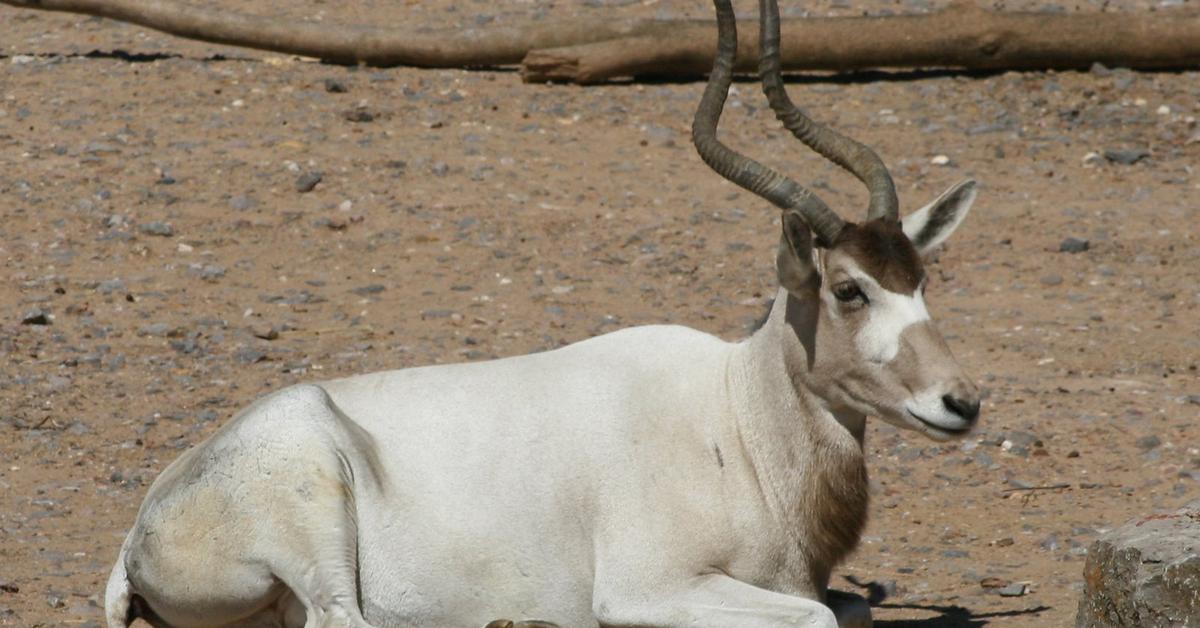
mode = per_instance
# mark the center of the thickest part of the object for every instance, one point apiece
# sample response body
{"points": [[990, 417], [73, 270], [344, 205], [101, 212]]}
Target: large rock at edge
{"points": [[1145, 574]]}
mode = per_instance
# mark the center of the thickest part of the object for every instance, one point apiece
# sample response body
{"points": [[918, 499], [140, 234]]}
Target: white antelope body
{"points": [[655, 476]]}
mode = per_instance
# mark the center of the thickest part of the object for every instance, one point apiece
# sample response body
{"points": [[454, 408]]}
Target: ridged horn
{"points": [[856, 158], [747, 173]]}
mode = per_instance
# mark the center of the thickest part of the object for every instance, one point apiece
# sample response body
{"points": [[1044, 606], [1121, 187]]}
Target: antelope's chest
{"points": [[796, 545], [838, 506]]}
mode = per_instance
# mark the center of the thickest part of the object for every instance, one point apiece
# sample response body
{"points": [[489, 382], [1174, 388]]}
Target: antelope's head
{"points": [[858, 289]]}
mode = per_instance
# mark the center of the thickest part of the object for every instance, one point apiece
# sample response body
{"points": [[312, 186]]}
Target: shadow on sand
{"points": [[948, 616], [951, 616]]}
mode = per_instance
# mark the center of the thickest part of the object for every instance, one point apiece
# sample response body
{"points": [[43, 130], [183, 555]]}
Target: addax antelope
{"points": [[655, 476]]}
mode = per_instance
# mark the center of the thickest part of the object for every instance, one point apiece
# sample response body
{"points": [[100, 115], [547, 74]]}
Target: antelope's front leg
{"points": [[712, 601]]}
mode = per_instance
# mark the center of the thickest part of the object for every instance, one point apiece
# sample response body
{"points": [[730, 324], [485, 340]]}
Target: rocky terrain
{"points": [[187, 227]]}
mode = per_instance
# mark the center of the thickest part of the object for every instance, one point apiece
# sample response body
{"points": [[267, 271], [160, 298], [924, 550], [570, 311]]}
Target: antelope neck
{"points": [[780, 417], [807, 457]]}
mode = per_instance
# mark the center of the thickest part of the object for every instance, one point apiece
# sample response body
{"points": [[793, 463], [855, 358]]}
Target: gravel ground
{"points": [[189, 226]]}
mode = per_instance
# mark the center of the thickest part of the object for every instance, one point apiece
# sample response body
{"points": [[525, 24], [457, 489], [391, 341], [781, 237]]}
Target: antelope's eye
{"points": [[848, 291]]}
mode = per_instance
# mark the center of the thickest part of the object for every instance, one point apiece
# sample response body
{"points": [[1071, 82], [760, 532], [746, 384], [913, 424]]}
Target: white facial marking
{"points": [[888, 315]]}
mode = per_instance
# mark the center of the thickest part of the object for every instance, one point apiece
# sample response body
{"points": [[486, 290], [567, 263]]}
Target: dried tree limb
{"points": [[961, 36], [599, 49], [351, 44]]}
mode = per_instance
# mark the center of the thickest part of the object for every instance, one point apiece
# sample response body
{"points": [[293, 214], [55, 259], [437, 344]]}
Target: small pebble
{"points": [[157, 228], [242, 202], [1146, 443], [1126, 157], [359, 114], [36, 316], [266, 331], [1073, 245], [247, 355], [1016, 589], [309, 180], [363, 291], [207, 272]]}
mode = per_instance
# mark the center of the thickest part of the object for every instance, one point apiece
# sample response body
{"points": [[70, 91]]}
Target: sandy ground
{"points": [[152, 219]]}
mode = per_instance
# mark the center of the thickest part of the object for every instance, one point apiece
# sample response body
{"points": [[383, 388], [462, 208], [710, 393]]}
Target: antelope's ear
{"points": [[794, 261], [932, 224]]}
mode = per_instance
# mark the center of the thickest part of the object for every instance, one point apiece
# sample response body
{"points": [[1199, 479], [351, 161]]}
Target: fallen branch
{"points": [[598, 49], [961, 36], [494, 45]]}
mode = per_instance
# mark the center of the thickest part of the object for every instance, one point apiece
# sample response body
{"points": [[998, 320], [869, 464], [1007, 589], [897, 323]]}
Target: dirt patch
{"points": [[172, 253]]}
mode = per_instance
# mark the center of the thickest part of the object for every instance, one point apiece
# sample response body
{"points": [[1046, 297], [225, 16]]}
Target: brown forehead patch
{"points": [[883, 251]]}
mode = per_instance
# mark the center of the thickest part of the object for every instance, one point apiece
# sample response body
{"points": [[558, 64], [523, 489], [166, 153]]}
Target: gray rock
{"points": [[248, 355], [359, 114], [335, 86], [1126, 157], [1017, 438], [242, 203], [157, 228], [99, 148], [36, 316], [207, 272], [1073, 245], [1145, 573], [293, 297], [264, 330], [374, 288], [309, 180], [109, 286], [155, 329], [1146, 443], [1016, 589]]}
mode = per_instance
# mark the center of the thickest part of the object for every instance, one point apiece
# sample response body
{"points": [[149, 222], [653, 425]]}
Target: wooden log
{"points": [[493, 45], [962, 36], [583, 51]]}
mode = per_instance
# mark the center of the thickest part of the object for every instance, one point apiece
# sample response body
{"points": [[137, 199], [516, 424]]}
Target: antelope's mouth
{"points": [[941, 430]]}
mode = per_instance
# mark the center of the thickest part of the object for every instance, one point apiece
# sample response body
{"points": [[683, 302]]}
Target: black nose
{"points": [[968, 409]]}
